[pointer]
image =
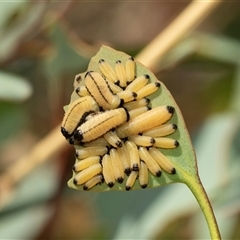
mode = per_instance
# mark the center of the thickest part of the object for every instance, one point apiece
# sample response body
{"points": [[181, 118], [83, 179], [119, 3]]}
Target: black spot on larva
{"points": [[118, 83], [75, 181], [173, 171], [74, 168], [134, 94], [127, 188], [71, 140], [65, 133], [77, 90], [85, 187], [135, 167], [157, 84], [119, 144], [120, 179], [176, 143], [175, 126], [118, 61], [131, 58], [101, 60], [147, 100], [127, 171], [144, 186], [158, 174], [78, 78], [146, 76], [149, 108], [170, 109], [152, 141], [111, 184], [78, 135]]}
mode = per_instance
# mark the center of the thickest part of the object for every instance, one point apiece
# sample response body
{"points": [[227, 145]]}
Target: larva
{"points": [[145, 121], [100, 91], [152, 165], [113, 139], [100, 124], [85, 152], [121, 73], [134, 155], [125, 158], [143, 175], [160, 131], [85, 163], [137, 111], [76, 114], [138, 83], [116, 162], [136, 104], [108, 173], [139, 140], [147, 90], [87, 174], [130, 69], [82, 91], [163, 142], [98, 179], [162, 160], [108, 71], [131, 180]]}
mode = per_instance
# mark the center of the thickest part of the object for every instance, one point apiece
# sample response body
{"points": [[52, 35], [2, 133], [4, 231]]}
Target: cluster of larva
{"points": [[116, 133]]}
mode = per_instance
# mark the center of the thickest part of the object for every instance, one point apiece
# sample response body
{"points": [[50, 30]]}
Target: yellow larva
{"points": [[108, 173], [136, 104], [86, 152], [130, 69], [127, 95], [113, 139], [143, 175], [82, 91], [121, 73], [137, 111], [76, 114], [144, 141], [131, 180], [85, 163], [163, 142], [134, 155], [117, 165], [145, 121], [147, 90], [160, 131], [98, 179], [115, 88], [108, 71], [100, 91], [152, 165], [87, 174], [125, 158], [99, 124], [162, 160], [138, 83], [97, 142]]}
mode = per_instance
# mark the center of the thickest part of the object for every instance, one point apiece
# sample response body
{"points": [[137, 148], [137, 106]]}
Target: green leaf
{"points": [[182, 157]]}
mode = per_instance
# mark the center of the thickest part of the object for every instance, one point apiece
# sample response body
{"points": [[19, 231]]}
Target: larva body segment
{"points": [[144, 141], [134, 155], [86, 152], [99, 124], [127, 95], [138, 111], [148, 90], [76, 114], [108, 71], [163, 142], [161, 131], [130, 69], [152, 165], [116, 162], [138, 83], [125, 158], [98, 179], [85, 163], [121, 73], [136, 104], [87, 174], [131, 180], [108, 173], [145, 121], [162, 160], [113, 139], [143, 175], [99, 89]]}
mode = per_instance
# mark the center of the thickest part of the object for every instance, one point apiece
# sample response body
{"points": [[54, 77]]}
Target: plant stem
{"points": [[200, 194]]}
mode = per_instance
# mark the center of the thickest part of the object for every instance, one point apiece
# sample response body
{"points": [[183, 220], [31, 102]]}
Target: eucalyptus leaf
{"points": [[182, 157]]}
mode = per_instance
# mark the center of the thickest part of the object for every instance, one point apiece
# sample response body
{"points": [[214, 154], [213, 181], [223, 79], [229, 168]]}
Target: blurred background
{"points": [[43, 45]]}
